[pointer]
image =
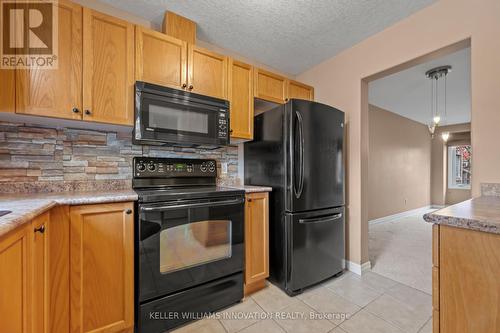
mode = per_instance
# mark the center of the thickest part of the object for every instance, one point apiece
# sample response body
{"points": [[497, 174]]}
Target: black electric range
{"points": [[189, 242]]}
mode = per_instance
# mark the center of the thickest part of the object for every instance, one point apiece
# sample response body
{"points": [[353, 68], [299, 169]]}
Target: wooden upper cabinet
{"points": [[160, 59], [56, 92], [7, 92], [207, 72], [240, 93], [300, 91], [108, 68], [269, 86], [256, 237], [102, 267], [15, 282]]}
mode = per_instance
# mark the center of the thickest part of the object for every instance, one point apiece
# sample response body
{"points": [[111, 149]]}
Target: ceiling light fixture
{"points": [[435, 74], [445, 136]]}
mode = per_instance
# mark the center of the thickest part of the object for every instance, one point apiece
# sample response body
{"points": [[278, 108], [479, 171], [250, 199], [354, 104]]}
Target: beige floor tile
{"points": [[273, 299], [427, 327], [355, 290], [301, 321], [377, 281], [338, 330], [264, 326], [365, 322], [241, 315], [398, 313], [328, 303], [413, 297], [202, 326]]}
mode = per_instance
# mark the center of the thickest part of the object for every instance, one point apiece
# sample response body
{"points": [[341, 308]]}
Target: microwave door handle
{"points": [[192, 205], [321, 219]]}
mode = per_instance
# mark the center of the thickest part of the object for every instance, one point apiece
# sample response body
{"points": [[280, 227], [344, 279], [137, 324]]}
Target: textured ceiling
{"points": [[408, 93], [289, 35]]}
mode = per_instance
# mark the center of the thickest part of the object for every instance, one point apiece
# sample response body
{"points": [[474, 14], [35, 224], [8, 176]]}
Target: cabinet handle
{"points": [[128, 211], [40, 229], [230, 131], [75, 110], [190, 87], [88, 112], [249, 200], [184, 85]]}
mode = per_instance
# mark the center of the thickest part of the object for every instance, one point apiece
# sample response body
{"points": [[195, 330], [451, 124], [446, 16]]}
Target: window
{"points": [[459, 167]]}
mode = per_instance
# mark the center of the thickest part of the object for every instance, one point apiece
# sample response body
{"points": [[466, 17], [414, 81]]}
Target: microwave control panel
{"points": [[223, 123], [152, 167]]}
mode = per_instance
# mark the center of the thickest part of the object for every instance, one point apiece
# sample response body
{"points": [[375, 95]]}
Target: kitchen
{"points": [[82, 260]]}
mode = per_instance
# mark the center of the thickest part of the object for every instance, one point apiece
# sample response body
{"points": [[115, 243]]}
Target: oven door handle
{"points": [[191, 205]]}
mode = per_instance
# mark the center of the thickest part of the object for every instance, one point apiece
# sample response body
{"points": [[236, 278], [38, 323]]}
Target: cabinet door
{"points": [[15, 286], [160, 59], [240, 92], [50, 253], [102, 267], [256, 237], [108, 69], [56, 92], [300, 91], [7, 92], [40, 277], [207, 72], [269, 86]]}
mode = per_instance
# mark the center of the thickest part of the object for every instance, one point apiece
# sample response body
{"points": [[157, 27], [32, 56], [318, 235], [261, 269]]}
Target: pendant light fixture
{"points": [[438, 114]]}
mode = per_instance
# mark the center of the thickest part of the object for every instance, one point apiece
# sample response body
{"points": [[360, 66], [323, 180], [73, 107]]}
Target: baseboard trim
{"points": [[357, 268], [403, 214]]}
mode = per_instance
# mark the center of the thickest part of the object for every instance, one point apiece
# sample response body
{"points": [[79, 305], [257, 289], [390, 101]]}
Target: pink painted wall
{"points": [[339, 81]]}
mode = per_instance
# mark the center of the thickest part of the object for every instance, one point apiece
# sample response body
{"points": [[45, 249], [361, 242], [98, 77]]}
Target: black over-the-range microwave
{"points": [[167, 116]]}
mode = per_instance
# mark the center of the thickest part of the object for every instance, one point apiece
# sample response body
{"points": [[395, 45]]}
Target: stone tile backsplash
{"points": [[48, 159]]}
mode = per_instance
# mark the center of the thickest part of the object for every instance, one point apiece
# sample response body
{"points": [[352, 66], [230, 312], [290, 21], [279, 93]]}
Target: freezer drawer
{"points": [[315, 250]]}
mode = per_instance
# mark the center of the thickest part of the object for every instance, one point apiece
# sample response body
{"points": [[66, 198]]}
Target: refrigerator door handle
{"points": [[298, 191], [321, 219]]}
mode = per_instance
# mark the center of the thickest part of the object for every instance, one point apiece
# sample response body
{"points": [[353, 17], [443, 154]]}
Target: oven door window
{"points": [[194, 244], [175, 117]]}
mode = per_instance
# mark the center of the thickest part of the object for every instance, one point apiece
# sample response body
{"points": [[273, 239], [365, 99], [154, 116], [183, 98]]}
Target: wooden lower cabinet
{"points": [[15, 282], [256, 241], [466, 279], [102, 268]]}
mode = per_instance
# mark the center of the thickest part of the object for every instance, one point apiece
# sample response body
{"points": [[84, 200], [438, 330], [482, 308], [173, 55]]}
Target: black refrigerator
{"points": [[298, 151]]}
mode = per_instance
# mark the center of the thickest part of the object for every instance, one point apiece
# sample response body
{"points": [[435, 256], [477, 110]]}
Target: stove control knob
{"points": [[203, 167], [141, 166], [151, 167]]}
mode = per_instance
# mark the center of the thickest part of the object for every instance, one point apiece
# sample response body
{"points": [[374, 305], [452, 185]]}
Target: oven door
{"points": [[188, 242], [166, 119]]}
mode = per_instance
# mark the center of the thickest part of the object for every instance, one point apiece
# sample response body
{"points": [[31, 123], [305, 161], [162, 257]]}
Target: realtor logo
{"points": [[29, 34]]}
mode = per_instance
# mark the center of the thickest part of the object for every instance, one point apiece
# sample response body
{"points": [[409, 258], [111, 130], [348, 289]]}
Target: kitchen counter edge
{"points": [[26, 207], [478, 214]]}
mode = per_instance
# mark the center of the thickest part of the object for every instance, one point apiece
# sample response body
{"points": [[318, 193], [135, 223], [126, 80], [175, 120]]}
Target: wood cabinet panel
{"points": [[179, 27], [300, 91], [40, 278], [240, 92], [15, 283], [269, 86], [256, 238], [102, 267], [207, 72], [469, 288], [56, 92], [160, 59], [8, 91], [108, 68]]}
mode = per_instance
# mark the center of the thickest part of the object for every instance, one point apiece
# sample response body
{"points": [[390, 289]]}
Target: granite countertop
{"points": [[252, 188], [25, 207], [480, 214]]}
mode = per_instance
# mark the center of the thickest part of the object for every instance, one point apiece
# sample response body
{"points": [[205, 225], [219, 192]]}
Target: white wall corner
{"points": [[357, 268]]}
